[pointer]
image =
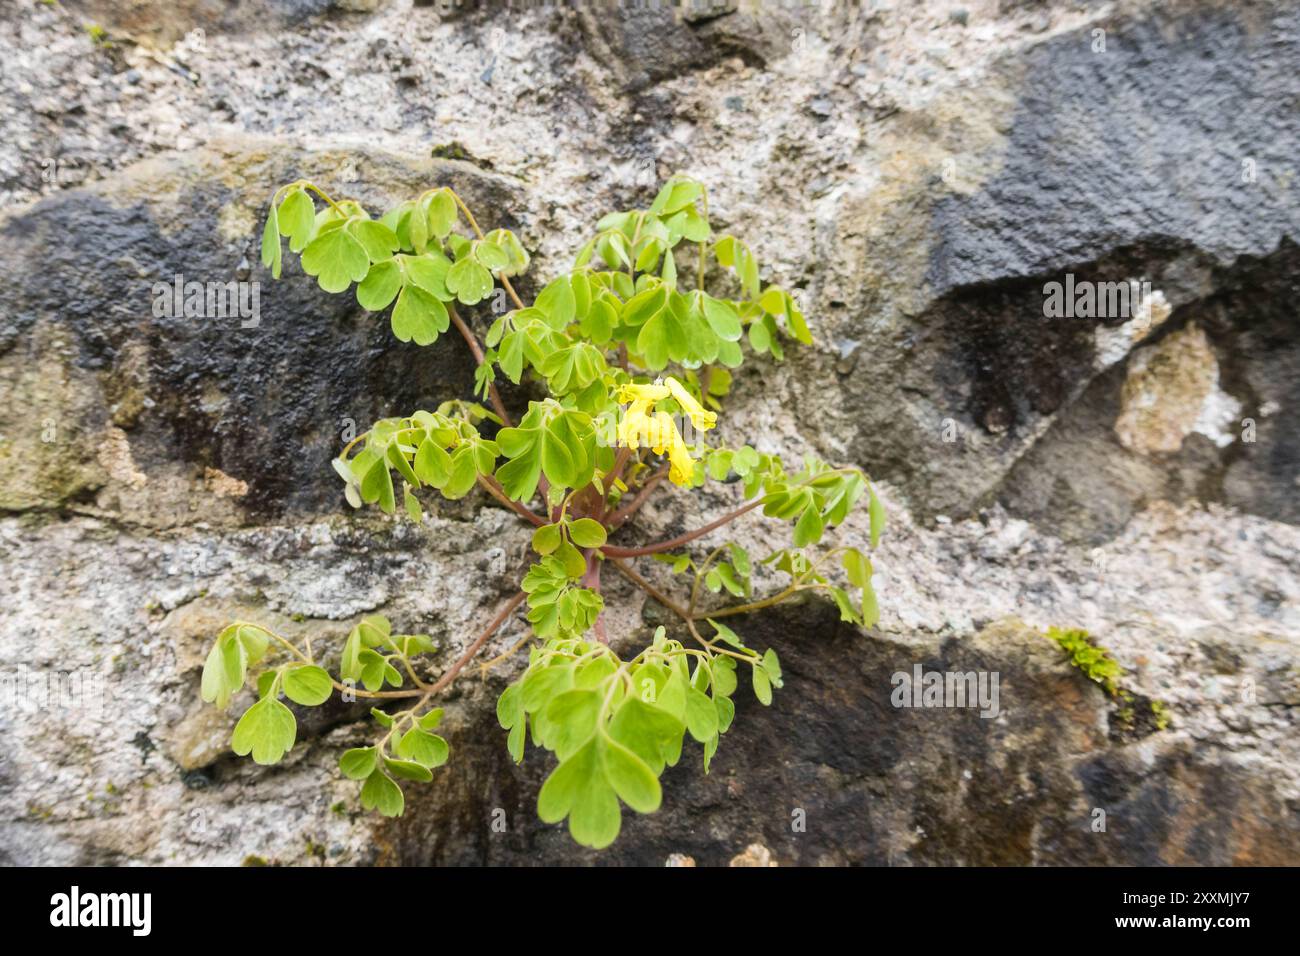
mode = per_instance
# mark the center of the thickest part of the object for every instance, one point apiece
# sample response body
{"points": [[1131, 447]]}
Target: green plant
{"points": [[98, 35], [577, 466], [1096, 662], [1089, 657]]}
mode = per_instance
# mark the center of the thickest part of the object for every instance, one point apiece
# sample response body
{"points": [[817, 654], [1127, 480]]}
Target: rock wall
{"points": [[917, 172]]}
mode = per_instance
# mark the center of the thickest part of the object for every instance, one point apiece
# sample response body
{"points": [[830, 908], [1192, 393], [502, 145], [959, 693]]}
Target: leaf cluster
{"points": [[614, 726]]}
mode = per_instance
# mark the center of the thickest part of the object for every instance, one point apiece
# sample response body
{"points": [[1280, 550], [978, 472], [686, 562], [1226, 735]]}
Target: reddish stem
{"points": [[494, 488], [614, 551], [477, 351], [620, 517], [465, 658]]}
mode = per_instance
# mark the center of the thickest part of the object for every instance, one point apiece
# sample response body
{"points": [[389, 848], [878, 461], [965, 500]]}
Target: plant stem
{"points": [[320, 192], [493, 626], [518, 645], [650, 589], [591, 579], [620, 517], [473, 224], [699, 273], [754, 605], [494, 488], [613, 551], [477, 351], [699, 576]]}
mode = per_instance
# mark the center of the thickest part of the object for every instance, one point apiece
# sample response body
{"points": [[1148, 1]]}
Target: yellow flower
{"points": [[642, 393], [643, 427], [702, 419], [635, 425], [681, 470]]}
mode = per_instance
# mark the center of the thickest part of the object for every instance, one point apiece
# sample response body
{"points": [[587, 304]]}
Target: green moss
{"points": [[1135, 714], [1090, 657], [98, 35], [1161, 713], [451, 150], [253, 860]]}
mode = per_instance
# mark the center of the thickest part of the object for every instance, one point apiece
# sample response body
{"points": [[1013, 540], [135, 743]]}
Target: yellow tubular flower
{"points": [[702, 419], [681, 470], [635, 425], [645, 394], [641, 427]]}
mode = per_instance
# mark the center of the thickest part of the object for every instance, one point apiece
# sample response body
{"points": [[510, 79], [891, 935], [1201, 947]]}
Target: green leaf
{"points": [[762, 686], [469, 281], [442, 213], [772, 666], [267, 731], [557, 459], [676, 194], [586, 788], [491, 257], [349, 662], [634, 782], [547, 538], [877, 513], [722, 318], [432, 464], [407, 770], [870, 609], [412, 505], [464, 473], [271, 248], [568, 721], [378, 240], [557, 302], [587, 533], [297, 219], [226, 667], [575, 565], [308, 685], [358, 763], [808, 530], [224, 671], [701, 715], [727, 575], [377, 486], [727, 634], [380, 793], [645, 305], [337, 260], [426, 749], [724, 678], [847, 611], [429, 272], [377, 290], [419, 316], [599, 321]]}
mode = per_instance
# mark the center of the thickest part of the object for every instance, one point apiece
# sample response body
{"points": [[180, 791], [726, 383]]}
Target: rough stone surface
{"points": [[916, 176]]}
